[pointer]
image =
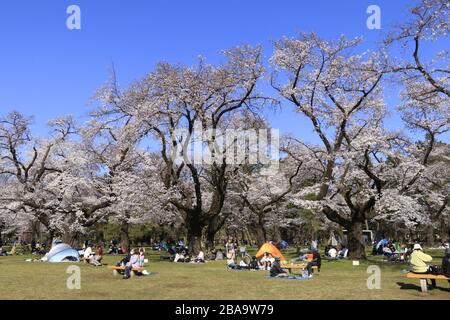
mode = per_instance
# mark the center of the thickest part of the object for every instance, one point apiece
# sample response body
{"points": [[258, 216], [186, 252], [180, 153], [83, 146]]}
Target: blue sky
{"points": [[47, 70]]}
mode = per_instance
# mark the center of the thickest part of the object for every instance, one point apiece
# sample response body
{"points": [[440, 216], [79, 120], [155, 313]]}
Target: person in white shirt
{"points": [[200, 258], [88, 254], [179, 257], [332, 252], [266, 261]]}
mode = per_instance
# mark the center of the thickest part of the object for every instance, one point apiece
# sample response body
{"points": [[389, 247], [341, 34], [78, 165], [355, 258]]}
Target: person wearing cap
{"points": [[446, 264], [419, 261]]}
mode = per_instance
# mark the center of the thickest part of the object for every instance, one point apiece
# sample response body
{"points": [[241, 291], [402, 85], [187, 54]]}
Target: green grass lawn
{"points": [[338, 280]]}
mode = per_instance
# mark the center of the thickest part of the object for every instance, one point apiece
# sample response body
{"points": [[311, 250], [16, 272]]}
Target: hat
{"points": [[417, 247]]}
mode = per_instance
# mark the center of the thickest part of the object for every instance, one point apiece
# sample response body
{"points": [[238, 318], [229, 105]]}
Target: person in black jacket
{"points": [[446, 264], [254, 264], [316, 261], [276, 271]]}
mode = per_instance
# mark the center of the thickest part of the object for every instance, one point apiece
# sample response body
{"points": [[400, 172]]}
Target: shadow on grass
{"points": [[409, 286]]}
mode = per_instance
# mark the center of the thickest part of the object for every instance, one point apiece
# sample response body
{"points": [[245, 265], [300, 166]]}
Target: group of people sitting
{"points": [[273, 264], [92, 257], [393, 250], [183, 256], [339, 252], [114, 248], [134, 259]]}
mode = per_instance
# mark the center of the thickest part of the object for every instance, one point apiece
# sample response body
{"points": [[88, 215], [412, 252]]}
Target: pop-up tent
{"points": [[269, 248], [62, 252]]}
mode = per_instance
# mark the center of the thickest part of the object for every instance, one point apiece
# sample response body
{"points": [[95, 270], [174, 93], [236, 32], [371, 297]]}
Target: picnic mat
{"points": [[291, 277]]}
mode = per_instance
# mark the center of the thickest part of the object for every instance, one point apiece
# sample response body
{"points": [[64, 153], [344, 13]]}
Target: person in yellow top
{"points": [[419, 260]]}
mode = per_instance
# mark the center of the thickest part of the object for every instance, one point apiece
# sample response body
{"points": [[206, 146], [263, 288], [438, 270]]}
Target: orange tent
{"points": [[269, 248]]}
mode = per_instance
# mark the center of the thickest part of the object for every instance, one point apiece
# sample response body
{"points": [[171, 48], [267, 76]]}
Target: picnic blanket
{"points": [[291, 277]]}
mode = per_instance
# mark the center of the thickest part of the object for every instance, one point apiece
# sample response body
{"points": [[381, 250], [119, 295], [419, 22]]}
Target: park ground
{"points": [[337, 280]]}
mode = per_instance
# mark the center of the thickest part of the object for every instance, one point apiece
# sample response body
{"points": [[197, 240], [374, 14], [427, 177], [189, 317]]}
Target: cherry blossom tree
{"points": [[426, 99], [341, 95], [175, 97]]}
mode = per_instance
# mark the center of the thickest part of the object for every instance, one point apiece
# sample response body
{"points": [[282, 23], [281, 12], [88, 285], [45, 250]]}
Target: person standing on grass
{"points": [[243, 251], [419, 261]]}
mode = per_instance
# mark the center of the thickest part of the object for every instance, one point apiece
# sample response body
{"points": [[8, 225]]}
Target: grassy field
{"points": [[338, 280]]}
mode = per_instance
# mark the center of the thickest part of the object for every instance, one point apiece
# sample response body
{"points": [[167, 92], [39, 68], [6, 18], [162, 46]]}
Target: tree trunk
{"points": [[71, 238], [356, 247], [210, 240], [430, 236], [194, 232], [261, 236], [444, 233], [125, 235]]}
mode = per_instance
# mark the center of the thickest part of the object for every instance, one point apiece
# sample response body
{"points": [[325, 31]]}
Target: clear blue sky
{"points": [[47, 70]]}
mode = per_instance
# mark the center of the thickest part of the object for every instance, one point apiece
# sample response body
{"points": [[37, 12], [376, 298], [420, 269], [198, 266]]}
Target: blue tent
{"points": [[382, 242], [62, 252]]}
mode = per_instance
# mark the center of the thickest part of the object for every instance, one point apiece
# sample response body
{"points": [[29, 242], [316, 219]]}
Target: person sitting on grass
{"points": [[266, 261], [254, 264], [219, 254], [276, 271], [97, 258], [231, 264], [88, 253], [200, 258], [243, 265], [419, 261], [315, 262], [113, 248], [332, 252], [387, 251], [179, 256], [3, 253], [343, 253], [133, 263]]}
